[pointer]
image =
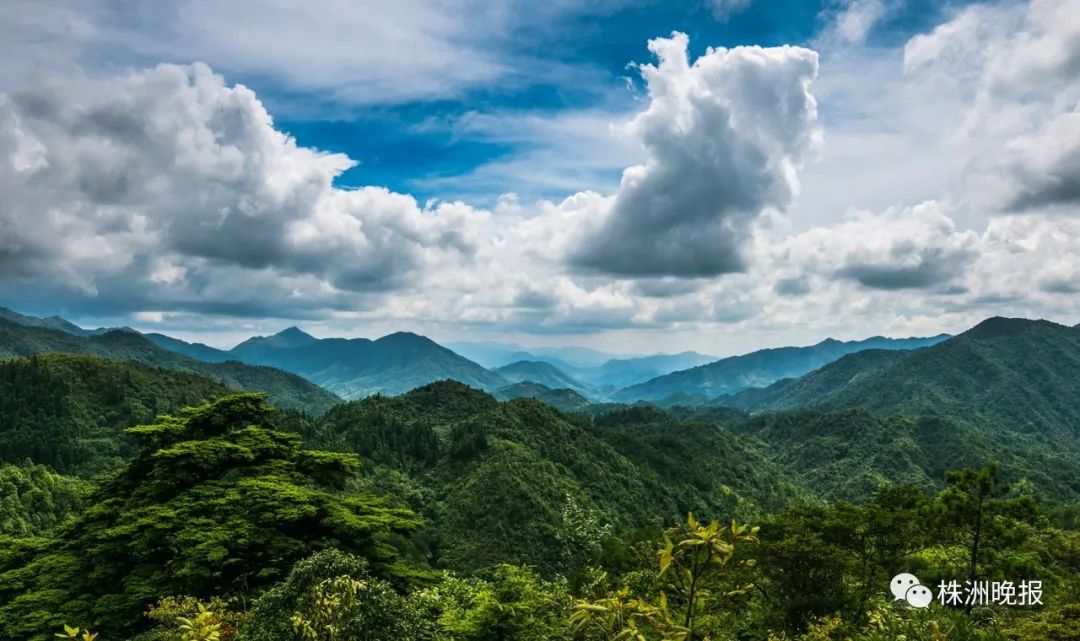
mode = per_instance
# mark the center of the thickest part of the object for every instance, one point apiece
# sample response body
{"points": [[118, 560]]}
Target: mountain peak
{"points": [[294, 334], [996, 326]]}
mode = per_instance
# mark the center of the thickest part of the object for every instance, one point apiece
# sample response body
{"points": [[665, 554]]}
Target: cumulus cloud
{"points": [[903, 248], [724, 138], [169, 183]]}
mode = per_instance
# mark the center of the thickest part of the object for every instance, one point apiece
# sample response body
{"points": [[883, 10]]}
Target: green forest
{"points": [[146, 503]]}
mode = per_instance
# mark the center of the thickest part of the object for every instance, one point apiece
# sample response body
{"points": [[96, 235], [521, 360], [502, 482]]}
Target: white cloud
{"points": [[162, 184], [903, 248], [724, 138]]}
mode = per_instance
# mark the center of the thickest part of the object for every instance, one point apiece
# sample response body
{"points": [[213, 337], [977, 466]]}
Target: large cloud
{"points": [[166, 184], [903, 248], [1020, 65], [724, 138]]}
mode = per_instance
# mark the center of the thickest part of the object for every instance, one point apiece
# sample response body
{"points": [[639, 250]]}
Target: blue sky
{"points": [[401, 145], [631, 175]]}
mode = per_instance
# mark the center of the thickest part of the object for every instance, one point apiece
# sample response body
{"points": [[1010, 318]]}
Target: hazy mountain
{"points": [[359, 367], [284, 389], [540, 372], [623, 372], [565, 400], [569, 359], [760, 368], [52, 322], [197, 351], [288, 338]]}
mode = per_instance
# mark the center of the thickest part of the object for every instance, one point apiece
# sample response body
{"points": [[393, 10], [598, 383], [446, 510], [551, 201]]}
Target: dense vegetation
{"points": [[447, 514]]}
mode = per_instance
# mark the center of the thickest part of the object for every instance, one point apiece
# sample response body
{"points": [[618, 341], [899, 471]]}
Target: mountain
{"points": [[811, 389], [1005, 390], [569, 359], [52, 322], [760, 368], [198, 351], [564, 400], [284, 389], [288, 338], [359, 367], [540, 372], [1011, 372], [623, 372]]}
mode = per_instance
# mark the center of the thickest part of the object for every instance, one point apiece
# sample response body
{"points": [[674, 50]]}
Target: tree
{"points": [[977, 509], [215, 503]]}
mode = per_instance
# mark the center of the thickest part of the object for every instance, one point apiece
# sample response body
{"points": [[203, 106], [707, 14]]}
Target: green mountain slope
{"points": [[285, 390], [359, 367], [1015, 374], [1007, 390], [69, 411], [817, 386], [760, 368], [497, 481], [564, 400], [540, 372]]}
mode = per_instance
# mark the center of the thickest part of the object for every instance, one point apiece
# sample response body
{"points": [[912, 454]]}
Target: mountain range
{"points": [[284, 389], [396, 363], [756, 369]]}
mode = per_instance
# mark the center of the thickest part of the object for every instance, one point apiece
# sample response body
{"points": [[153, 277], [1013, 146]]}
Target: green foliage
{"points": [[692, 582], [186, 618], [69, 412], [215, 502], [34, 499]]}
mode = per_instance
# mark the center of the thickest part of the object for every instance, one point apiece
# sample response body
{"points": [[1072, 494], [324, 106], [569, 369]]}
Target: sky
{"points": [[637, 176]]}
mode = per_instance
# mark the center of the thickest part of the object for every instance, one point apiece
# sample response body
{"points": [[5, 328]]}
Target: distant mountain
{"points": [[564, 400], [197, 351], [288, 338], [540, 372], [359, 367], [569, 359], [284, 389], [52, 322], [623, 372], [760, 368]]}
